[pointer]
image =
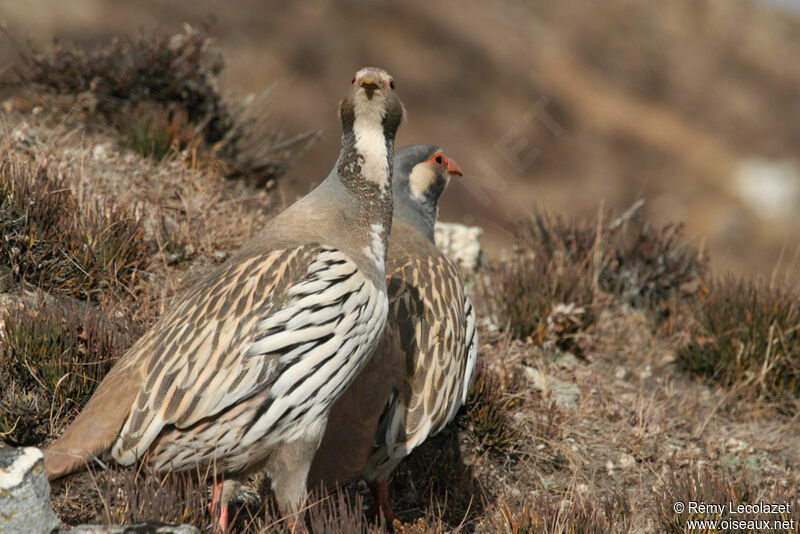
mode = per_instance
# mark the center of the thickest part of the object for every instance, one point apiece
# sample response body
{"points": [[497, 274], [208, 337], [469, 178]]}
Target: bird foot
{"points": [[221, 526], [298, 527], [374, 513], [380, 497]]}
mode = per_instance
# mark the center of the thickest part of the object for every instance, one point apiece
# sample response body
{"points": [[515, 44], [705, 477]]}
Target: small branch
{"points": [[626, 215]]}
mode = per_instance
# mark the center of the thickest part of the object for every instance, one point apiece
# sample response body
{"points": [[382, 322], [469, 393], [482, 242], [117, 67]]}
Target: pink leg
{"points": [[222, 524], [380, 494], [216, 496], [297, 528]]}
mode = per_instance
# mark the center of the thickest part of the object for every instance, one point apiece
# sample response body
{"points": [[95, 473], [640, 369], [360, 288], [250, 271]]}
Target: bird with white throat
{"points": [[240, 373]]}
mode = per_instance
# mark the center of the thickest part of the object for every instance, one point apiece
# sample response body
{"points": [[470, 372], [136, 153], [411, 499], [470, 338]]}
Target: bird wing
{"points": [[278, 328], [436, 328], [471, 340]]}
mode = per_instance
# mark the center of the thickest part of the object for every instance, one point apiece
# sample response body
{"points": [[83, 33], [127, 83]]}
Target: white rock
{"points": [[565, 359], [25, 493], [102, 151], [734, 445], [646, 372], [770, 187], [24, 461], [24, 135], [460, 242], [626, 460], [566, 393]]}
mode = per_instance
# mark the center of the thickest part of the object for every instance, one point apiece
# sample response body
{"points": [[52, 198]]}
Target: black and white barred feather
{"points": [[269, 374]]}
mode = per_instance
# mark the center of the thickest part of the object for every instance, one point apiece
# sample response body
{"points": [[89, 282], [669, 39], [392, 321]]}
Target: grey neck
{"points": [[422, 216], [361, 204]]}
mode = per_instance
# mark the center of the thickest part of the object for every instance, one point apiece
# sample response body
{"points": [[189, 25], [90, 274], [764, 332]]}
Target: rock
{"points": [[141, 528], [25, 493], [734, 446], [566, 393], [24, 135], [102, 151], [771, 188], [460, 242], [646, 372], [565, 359], [626, 460]]}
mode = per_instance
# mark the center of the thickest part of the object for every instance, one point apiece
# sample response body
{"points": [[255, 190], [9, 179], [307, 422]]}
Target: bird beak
{"points": [[453, 167], [369, 83]]}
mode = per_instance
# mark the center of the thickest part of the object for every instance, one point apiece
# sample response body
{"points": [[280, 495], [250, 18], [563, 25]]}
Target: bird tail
{"points": [[96, 428]]}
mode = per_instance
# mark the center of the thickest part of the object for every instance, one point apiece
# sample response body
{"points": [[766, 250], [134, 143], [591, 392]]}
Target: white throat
{"points": [[370, 141], [420, 180], [375, 250]]}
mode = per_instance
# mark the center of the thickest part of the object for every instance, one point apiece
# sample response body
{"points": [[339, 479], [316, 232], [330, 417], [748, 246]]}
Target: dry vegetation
{"points": [[162, 93], [748, 333], [562, 272], [616, 375]]}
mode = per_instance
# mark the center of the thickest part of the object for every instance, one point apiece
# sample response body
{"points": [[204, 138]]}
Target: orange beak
{"points": [[453, 167]]}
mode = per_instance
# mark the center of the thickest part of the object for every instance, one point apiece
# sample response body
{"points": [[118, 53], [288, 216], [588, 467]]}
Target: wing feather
{"points": [[435, 323], [270, 364]]}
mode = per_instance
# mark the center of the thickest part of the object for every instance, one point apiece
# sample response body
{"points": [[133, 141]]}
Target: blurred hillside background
{"points": [[692, 105]]}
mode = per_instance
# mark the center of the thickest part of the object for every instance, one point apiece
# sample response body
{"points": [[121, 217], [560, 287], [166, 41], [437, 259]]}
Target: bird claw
{"points": [[297, 527]]}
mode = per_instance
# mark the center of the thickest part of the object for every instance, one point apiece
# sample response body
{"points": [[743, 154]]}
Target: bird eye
{"points": [[391, 84], [439, 160], [354, 80]]}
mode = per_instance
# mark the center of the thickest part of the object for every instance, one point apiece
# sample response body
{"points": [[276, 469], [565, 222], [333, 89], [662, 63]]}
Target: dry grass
{"points": [[722, 488], [51, 360], [438, 484], [519, 458], [162, 93], [48, 242], [562, 271], [551, 264], [124, 496], [542, 514], [489, 407], [747, 334]]}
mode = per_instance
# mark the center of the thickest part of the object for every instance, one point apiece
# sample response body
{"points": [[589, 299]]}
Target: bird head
{"points": [[421, 174], [373, 99]]}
